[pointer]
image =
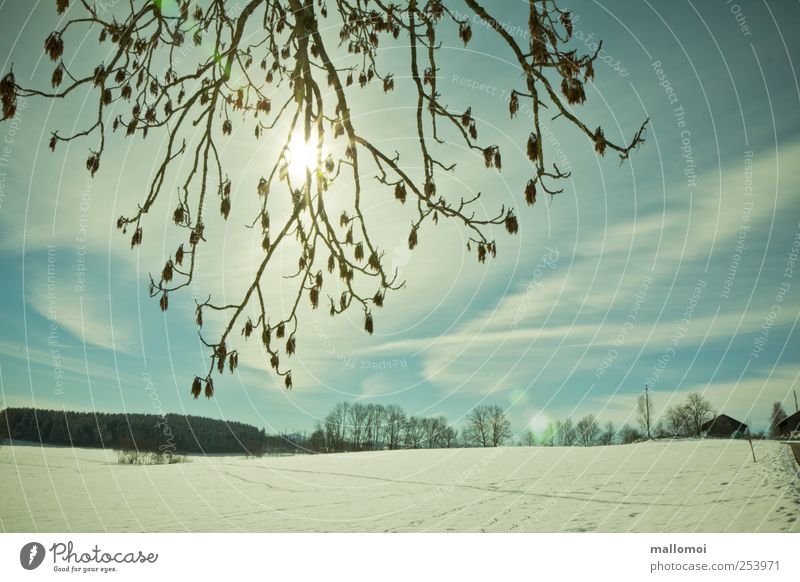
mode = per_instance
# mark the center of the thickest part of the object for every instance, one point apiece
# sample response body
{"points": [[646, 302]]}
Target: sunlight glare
{"points": [[302, 156]]}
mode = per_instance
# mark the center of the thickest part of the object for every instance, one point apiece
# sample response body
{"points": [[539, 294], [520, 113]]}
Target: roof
{"points": [[792, 419], [706, 425]]}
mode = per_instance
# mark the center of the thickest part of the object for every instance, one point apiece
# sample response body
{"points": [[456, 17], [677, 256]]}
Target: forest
{"points": [[131, 431]]}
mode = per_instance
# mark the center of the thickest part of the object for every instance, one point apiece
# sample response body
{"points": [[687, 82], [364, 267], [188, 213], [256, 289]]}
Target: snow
{"points": [[683, 486]]}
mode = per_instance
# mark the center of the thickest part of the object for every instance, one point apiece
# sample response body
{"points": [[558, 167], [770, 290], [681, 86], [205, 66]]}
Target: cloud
{"points": [[543, 330], [82, 307]]}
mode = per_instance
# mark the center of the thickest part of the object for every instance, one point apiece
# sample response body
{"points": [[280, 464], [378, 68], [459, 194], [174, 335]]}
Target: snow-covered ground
{"points": [[685, 486]]}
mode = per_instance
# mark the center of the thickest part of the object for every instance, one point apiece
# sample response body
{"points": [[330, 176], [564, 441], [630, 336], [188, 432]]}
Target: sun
{"points": [[302, 156]]}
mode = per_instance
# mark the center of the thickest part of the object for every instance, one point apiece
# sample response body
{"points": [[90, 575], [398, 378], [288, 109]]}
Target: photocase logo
{"points": [[31, 555]]}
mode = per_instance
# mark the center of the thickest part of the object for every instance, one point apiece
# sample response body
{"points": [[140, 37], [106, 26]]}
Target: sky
{"points": [[676, 268]]}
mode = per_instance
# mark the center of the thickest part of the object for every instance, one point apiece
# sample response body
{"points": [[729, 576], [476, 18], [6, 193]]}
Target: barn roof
{"points": [[791, 420], [706, 425]]}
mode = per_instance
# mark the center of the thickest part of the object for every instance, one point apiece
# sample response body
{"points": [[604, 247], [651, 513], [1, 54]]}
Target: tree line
{"points": [[362, 427], [351, 427], [144, 432]]}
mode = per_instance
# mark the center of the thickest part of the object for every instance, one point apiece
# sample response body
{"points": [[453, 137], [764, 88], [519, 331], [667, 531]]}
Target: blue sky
{"points": [[674, 268]]}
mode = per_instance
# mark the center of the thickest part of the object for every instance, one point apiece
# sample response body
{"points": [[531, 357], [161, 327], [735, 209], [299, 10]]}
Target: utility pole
{"points": [[795, 400], [648, 409]]}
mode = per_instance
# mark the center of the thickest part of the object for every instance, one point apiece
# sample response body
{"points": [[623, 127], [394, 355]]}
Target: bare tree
{"points": [[550, 434], [479, 426], [567, 435], [677, 420], [588, 430], [776, 415], [357, 421], [644, 412], [528, 438], [434, 429], [374, 427], [449, 437], [395, 421], [336, 427], [414, 434], [628, 434], [608, 433], [501, 426], [698, 411], [268, 71]]}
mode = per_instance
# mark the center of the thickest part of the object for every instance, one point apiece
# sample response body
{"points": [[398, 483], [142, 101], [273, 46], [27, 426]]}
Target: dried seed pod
{"points": [[400, 192], [488, 157], [513, 104], [136, 239], [412, 238], [511, 223], [599, 142], [58, 76], [225, 207], [166, 273], [533, 148], [164, 301], [466, 117], [209, 387], [368, 323], [530, 193], [8, 95], [54, 46], [196, 387], [465, 32]]}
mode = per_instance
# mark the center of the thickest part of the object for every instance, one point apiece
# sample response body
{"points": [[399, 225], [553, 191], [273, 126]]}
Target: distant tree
{"points": [[567, 435], [433, 430], [316, 442], [374, 427], [644, 411], [660, 430], [777, 415], [357, 419], [550, 434], [528, 438], [608, 433], [336, 427], [395, 419], [588, 430], [414, 433], [698, 411], [501, 426], [479, 426], [488, 426], [449, 437], [628, 434], [677, 421]]}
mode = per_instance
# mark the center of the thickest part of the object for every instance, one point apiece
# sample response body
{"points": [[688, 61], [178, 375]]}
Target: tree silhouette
{"points": [[271, 64]]}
